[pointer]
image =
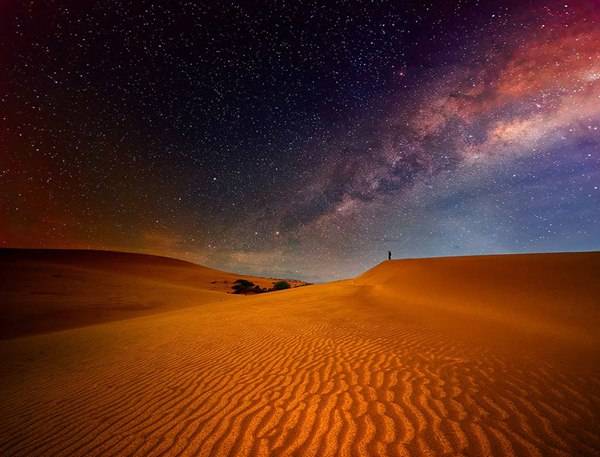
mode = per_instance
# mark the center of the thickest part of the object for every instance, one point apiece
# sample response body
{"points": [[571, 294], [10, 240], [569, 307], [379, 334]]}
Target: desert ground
{"points": [[51, 289], [489, 355]]}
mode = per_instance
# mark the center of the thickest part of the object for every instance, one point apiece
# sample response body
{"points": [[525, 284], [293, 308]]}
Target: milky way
{"points": [[301, 140]]}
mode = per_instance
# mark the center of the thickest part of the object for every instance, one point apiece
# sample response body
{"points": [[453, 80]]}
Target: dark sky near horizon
{"points": [[300, 139]]}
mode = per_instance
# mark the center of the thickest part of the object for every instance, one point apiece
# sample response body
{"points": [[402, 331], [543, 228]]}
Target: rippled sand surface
{"points": [[466, 356]]}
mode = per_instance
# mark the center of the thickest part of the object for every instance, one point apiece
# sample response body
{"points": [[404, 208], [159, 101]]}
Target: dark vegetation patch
{"points": [[243, 286]]}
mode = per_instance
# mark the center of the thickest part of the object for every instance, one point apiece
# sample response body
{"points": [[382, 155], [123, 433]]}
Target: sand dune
{"points": [[464, 356], [510, 296], [51, 289]]}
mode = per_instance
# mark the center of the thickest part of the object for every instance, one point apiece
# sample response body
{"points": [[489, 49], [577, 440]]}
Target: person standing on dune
{"points": [[389, 255]]}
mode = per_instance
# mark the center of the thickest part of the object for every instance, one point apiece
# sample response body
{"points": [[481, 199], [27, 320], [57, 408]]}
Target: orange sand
{"points": [[495, 355], [47, 290]]}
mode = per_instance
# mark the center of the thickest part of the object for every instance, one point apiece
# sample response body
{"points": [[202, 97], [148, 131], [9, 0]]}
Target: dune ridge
{"points": [[558, 294], [45, 290], [357, 367]]}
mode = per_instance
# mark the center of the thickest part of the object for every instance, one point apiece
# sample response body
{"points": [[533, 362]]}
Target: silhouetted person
{"points": [[389, 255]]}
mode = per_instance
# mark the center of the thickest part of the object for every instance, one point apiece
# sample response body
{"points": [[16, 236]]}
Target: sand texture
{"points": [[43, 290], [456, 356]]}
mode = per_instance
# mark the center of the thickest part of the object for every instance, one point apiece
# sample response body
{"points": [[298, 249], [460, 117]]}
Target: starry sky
{"points": [[300, 139]]}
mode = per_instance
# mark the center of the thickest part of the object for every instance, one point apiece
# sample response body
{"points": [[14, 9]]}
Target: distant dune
{"points": [[43, 290], [473, 356]]}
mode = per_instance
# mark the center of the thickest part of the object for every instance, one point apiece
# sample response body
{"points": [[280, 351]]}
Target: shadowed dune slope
{"points": [[428, 357], [51, 289]]}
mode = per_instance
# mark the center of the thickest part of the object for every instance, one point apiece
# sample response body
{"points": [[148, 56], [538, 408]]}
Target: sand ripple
{"points": [[323, 371], [311, 390]]}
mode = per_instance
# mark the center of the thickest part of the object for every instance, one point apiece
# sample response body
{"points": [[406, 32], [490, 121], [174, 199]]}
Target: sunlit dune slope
{"points": [[554, 294], [427, 357], [50, 289]]}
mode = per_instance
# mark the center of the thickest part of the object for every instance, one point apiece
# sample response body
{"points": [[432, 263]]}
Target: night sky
{"points": [[300, 139]]}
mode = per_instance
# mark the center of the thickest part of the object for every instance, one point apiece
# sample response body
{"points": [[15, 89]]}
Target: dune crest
{"points": [[377, 366], [44, 290], [553, 295]]}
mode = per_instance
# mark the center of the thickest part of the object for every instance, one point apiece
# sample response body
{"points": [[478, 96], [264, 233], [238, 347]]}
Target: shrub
{"points": [[241, 286], [281, 285]]}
